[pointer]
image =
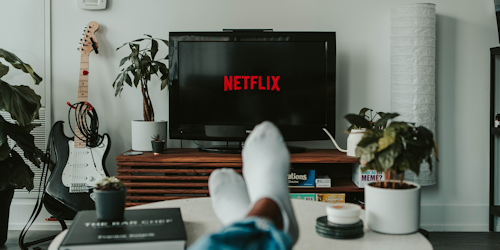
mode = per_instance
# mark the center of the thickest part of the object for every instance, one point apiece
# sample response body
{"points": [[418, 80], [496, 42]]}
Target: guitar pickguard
{"points": [[84, 167]]}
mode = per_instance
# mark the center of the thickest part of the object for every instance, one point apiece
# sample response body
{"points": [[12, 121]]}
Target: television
{"points": [[224, 83]]}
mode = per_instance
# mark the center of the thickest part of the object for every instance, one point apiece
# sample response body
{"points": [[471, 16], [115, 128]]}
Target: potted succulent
{"points": [[23, 104], [136, 70], [110, 194], [360, 122], [157, 144], [393, 206]]}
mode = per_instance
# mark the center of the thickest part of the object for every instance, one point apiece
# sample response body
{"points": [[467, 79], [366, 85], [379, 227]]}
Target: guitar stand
{"points": [[63, 227]]}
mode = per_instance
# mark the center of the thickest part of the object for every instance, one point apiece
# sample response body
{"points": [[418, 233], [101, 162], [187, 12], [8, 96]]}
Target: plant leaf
{"points": [[4, 151], [128, 80], [18, 64], [123, 60], [164, 41], [24, 139], [4, 69], [137, 78], [382, 122], [21, 176], [363, 111], [164, 83], [357, 120], [148, 35], [154, 48], [5, 173], [119, 84], [20, 101]]}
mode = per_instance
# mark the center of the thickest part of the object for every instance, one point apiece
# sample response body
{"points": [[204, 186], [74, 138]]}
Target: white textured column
{"points": [[413, 60]]}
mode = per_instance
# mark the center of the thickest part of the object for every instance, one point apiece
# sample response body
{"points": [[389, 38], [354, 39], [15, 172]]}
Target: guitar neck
{"points": [[83, 89]]}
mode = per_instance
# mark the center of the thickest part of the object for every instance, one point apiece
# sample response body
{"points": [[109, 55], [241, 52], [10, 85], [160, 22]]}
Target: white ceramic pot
{"points": [[393, 211], [142, 131], [353, 139]]}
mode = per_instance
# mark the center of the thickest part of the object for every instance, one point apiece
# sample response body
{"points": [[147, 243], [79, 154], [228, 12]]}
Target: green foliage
{"points": [[362, 120], [156, 137], [110, 183], [142, 65], [23, 104], [399, 147]]}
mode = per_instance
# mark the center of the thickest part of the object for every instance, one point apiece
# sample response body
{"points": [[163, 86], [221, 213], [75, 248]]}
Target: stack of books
{"points": [[140, 229]]}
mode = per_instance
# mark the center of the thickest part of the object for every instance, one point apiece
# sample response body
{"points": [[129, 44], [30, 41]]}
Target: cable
{"points": [[334, 142], [88, 130]]}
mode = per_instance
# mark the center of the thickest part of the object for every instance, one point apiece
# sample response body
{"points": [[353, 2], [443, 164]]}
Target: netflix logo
{"points": [[251, 82]]}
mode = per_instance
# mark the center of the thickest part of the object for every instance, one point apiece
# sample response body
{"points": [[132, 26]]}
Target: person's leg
{"points": [[266, 163], [270, 223], [229, 195]]}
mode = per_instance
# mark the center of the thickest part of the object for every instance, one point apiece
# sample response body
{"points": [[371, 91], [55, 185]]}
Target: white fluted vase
{"points": [[413, 63]]}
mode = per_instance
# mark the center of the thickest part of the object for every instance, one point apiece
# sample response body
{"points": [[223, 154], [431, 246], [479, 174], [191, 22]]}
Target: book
{"points": [[362, 178], [301, 178], [323, 182], [304, 196], [140, 229], [331, 198]]}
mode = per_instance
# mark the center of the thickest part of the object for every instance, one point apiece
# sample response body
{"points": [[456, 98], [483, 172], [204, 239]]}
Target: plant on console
{"points": [[141, 67], [362, 120], [395, 148]]}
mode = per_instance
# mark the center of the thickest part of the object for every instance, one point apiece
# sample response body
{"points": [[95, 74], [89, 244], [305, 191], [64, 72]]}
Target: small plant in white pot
{"points": [[360, 122], [393, 205], [110, 194], [137, 70]]}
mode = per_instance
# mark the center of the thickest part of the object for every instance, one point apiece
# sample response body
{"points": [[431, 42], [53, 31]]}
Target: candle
{"points": [[346, 213]]}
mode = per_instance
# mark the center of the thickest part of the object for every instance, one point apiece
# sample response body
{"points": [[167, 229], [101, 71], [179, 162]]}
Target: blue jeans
{"points": [[250, 233]]}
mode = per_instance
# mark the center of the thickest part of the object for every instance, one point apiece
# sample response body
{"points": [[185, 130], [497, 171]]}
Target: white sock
{"points": [[266, 164], [229, 195]]}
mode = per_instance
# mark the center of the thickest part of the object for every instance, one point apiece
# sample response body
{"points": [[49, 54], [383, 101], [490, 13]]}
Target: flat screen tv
{"points": [[224, 83]]}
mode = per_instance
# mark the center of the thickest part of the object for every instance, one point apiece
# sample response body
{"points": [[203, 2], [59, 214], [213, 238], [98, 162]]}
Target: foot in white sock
{"points": [[266, 164], [229, 195]]}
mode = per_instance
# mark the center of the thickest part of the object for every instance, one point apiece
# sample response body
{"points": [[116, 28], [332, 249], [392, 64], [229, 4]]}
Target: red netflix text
{"points": [[251, 82]]}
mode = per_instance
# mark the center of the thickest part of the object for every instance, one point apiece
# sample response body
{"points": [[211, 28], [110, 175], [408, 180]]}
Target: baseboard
{"points": [[456, 218], [434, 218]]}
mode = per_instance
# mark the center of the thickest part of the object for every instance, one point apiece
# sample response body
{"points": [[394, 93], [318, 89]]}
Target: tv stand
{"points": [[181, 173], [236, 149]]}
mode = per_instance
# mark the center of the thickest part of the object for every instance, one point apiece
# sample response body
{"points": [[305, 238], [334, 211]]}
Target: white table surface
{"points": [[199, 219]]}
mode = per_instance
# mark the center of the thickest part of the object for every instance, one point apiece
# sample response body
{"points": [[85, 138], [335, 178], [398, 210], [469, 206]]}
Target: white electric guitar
{"points": [[84, 167]]}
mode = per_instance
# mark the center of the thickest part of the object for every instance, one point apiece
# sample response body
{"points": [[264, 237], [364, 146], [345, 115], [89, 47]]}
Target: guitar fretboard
{"points": [[83, 83]]}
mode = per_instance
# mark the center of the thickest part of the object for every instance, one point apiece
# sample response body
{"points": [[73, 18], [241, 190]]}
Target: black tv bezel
{"points": [[238, 132]]}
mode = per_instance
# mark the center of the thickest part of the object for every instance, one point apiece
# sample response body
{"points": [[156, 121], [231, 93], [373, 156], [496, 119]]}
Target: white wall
{"points": [[465, 32]]}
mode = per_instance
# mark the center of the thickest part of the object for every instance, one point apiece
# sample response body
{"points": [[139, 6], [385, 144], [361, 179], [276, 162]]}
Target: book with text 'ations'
{"points": [[140, 229]]}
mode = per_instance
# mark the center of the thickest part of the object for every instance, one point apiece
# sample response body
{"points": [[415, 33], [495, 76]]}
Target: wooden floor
{"points": [[439, 240]]}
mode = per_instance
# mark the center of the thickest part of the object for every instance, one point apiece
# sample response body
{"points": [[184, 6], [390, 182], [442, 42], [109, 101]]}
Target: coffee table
{"points": [[200, 219]]}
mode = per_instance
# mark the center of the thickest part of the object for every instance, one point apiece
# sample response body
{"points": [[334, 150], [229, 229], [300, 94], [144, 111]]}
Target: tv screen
{"points": [[224, 83]]}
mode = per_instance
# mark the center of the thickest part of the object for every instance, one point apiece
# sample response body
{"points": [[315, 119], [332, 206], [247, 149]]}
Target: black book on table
{"points": [[140, 229]]}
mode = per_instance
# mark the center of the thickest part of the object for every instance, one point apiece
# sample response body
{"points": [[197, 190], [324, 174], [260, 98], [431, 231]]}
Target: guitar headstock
{"points": [[89, 41]]}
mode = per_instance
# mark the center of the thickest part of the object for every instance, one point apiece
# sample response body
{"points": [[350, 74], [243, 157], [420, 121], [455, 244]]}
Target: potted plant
{"points": [[110, 194], [360, 122], [393, 206], [157, 144], [136, 70], [23, 104]]}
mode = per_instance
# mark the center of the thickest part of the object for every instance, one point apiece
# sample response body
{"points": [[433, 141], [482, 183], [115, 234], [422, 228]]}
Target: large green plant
{"points": [[395, 148], [23, 104], [141, 67]]}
